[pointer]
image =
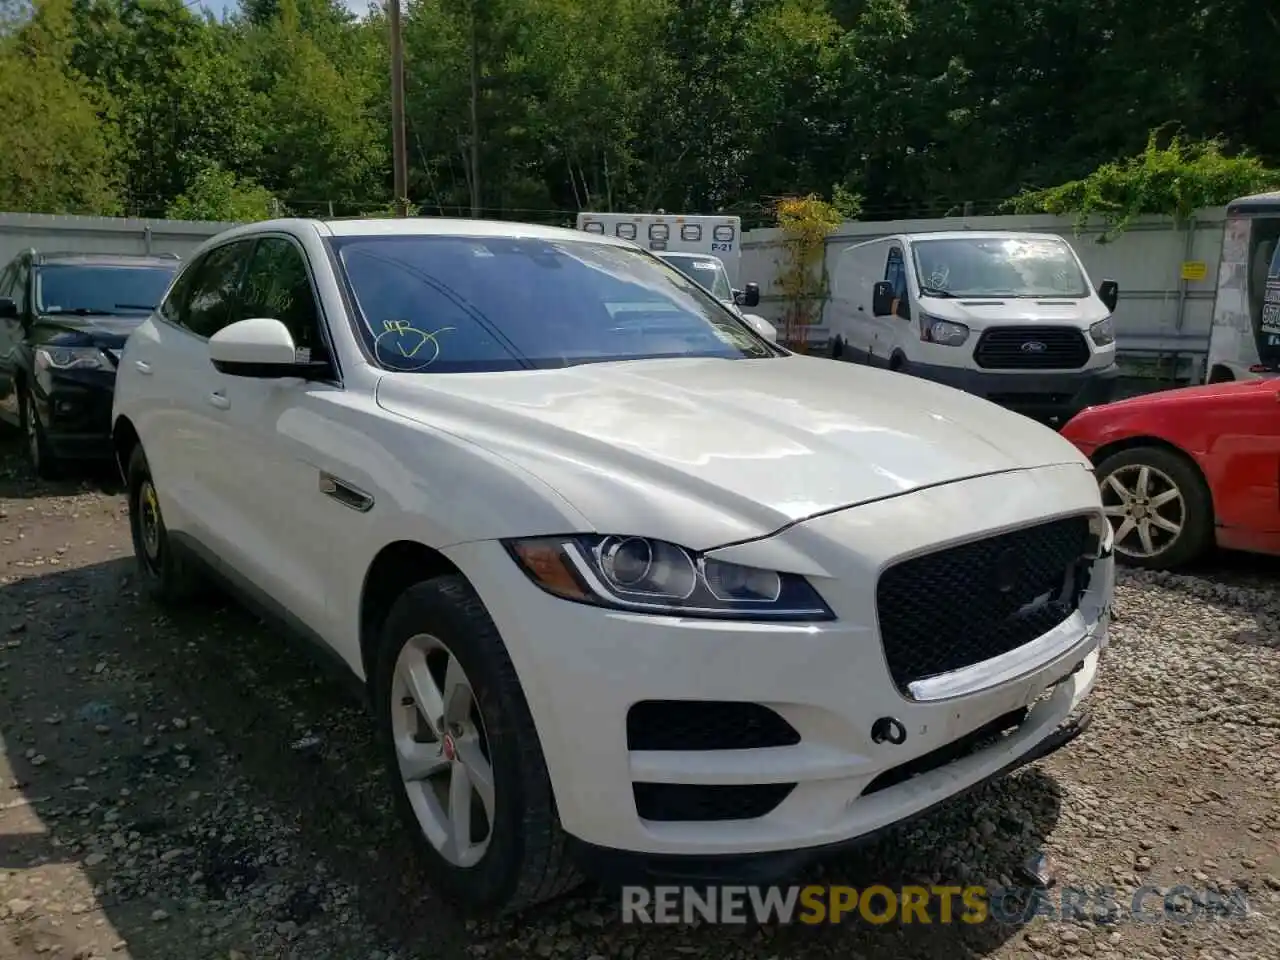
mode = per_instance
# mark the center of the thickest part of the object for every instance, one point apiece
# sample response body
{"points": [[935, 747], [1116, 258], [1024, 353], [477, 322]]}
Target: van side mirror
{"points": [[882, 299], [1109, 294], [8, 308], [751, 295]]}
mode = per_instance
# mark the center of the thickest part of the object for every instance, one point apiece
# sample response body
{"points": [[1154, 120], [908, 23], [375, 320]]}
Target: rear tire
{"points": [[435, 628], [168, 576], [1175, 495]]}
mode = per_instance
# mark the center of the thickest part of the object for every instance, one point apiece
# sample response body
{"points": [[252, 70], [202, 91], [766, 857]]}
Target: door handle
{"points": [[143, 367], [220, 401]]}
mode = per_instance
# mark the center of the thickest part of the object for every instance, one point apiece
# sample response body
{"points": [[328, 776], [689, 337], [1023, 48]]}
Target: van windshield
{"points": [[998, 267], [708, 271], [1264, 286]]}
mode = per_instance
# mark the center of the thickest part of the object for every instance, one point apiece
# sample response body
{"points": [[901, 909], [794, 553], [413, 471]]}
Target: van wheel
{"points": [[1159, 507], [463, 755], [897, 362], [837, 348], [1221, 375]]}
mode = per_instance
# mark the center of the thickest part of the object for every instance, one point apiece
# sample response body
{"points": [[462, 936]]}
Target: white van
{"points": [[715, 236], [1244, 341], [1011, 317]]}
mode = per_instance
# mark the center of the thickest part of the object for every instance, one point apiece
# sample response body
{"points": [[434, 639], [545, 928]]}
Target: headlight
{"points": [[1101, 538], [651, 576], [1103, 332], [945, 332], [70, 358]]}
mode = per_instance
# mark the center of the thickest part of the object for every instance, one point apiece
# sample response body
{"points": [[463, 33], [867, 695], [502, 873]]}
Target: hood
{"points": [[707, 451], [1192, 395], [978, 313], [69, 328]]}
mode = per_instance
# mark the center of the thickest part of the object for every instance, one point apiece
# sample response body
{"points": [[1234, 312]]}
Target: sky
{"points": [[220, 7]]}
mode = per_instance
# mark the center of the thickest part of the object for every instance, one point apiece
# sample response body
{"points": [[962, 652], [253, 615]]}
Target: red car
{"points": [[1183, 469]]}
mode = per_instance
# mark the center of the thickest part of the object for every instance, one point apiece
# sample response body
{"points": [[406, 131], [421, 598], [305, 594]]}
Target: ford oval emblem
{"points": [[1034, 346]]}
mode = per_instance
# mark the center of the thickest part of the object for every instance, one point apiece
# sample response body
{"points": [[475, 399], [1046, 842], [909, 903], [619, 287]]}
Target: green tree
{"points": [[57, 157], [216, 194]]}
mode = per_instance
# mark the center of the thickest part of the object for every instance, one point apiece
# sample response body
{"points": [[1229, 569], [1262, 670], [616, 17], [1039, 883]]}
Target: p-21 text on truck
{"points": [[716, 236], [1244, 341], [1010, 317]]}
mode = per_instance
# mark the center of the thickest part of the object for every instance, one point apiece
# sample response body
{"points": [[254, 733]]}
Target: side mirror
{"points": [[260, 347], [751, 295], [882, 299], [8, 308], [761, 326], [1109, 294]]}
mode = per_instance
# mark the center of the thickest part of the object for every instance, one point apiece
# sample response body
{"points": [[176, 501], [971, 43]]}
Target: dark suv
{"points": [[64, 318]]}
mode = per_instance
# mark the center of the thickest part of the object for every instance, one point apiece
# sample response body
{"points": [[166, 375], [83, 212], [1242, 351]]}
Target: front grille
{"points": [[706, 725], [960, 606], [1031, 348], [683, 802]]}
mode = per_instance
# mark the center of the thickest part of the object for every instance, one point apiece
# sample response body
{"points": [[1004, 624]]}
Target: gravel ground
{"points": [[190, 787]]}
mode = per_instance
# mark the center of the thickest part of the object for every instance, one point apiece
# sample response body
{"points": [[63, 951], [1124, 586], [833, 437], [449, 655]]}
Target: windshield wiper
{"points": [[84, 311], [136, 306], [929, 291]]}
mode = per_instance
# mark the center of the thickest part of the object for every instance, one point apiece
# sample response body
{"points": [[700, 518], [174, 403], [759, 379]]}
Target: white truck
{"points": [[707, 249]]}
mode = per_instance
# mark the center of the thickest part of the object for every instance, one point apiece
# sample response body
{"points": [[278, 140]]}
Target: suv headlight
{"points": [[70, 358], [652, 576], [945, 332], [1103, 332]]}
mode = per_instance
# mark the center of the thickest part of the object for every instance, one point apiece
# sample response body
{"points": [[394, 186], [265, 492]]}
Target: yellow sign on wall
{"points": [[1194, 270]]}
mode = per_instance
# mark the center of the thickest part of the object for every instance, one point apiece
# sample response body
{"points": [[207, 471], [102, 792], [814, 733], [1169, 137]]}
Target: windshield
{"points": [[78, 288], [998, 267], [466, 304], [708, 271]]}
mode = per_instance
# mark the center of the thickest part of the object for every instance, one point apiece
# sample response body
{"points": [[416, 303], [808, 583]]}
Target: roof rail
{"points": [[41, 256]]}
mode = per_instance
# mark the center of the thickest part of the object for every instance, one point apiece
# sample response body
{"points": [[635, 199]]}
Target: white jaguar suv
{"points": [[630, 589]]}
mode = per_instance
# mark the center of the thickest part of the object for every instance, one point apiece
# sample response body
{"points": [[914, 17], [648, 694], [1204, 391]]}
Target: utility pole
{"points": [[475, 113], [399, 144]]}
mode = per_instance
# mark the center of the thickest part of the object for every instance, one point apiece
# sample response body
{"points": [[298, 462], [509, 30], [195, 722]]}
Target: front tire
{"points": [[166, 574], [42, 460], [463, 755], [1159, 507]]}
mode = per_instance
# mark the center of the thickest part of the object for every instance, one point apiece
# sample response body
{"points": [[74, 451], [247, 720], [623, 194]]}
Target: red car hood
{"points": [[1210, 391]]}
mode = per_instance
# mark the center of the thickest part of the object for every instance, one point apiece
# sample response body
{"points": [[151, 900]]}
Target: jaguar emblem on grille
{"points": [[1034, 346], [1005, 573]]}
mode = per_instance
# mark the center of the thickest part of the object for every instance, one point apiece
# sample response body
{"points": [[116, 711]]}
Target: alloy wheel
{"points": [[1146, 508], [442, 750], [149, 524]]}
